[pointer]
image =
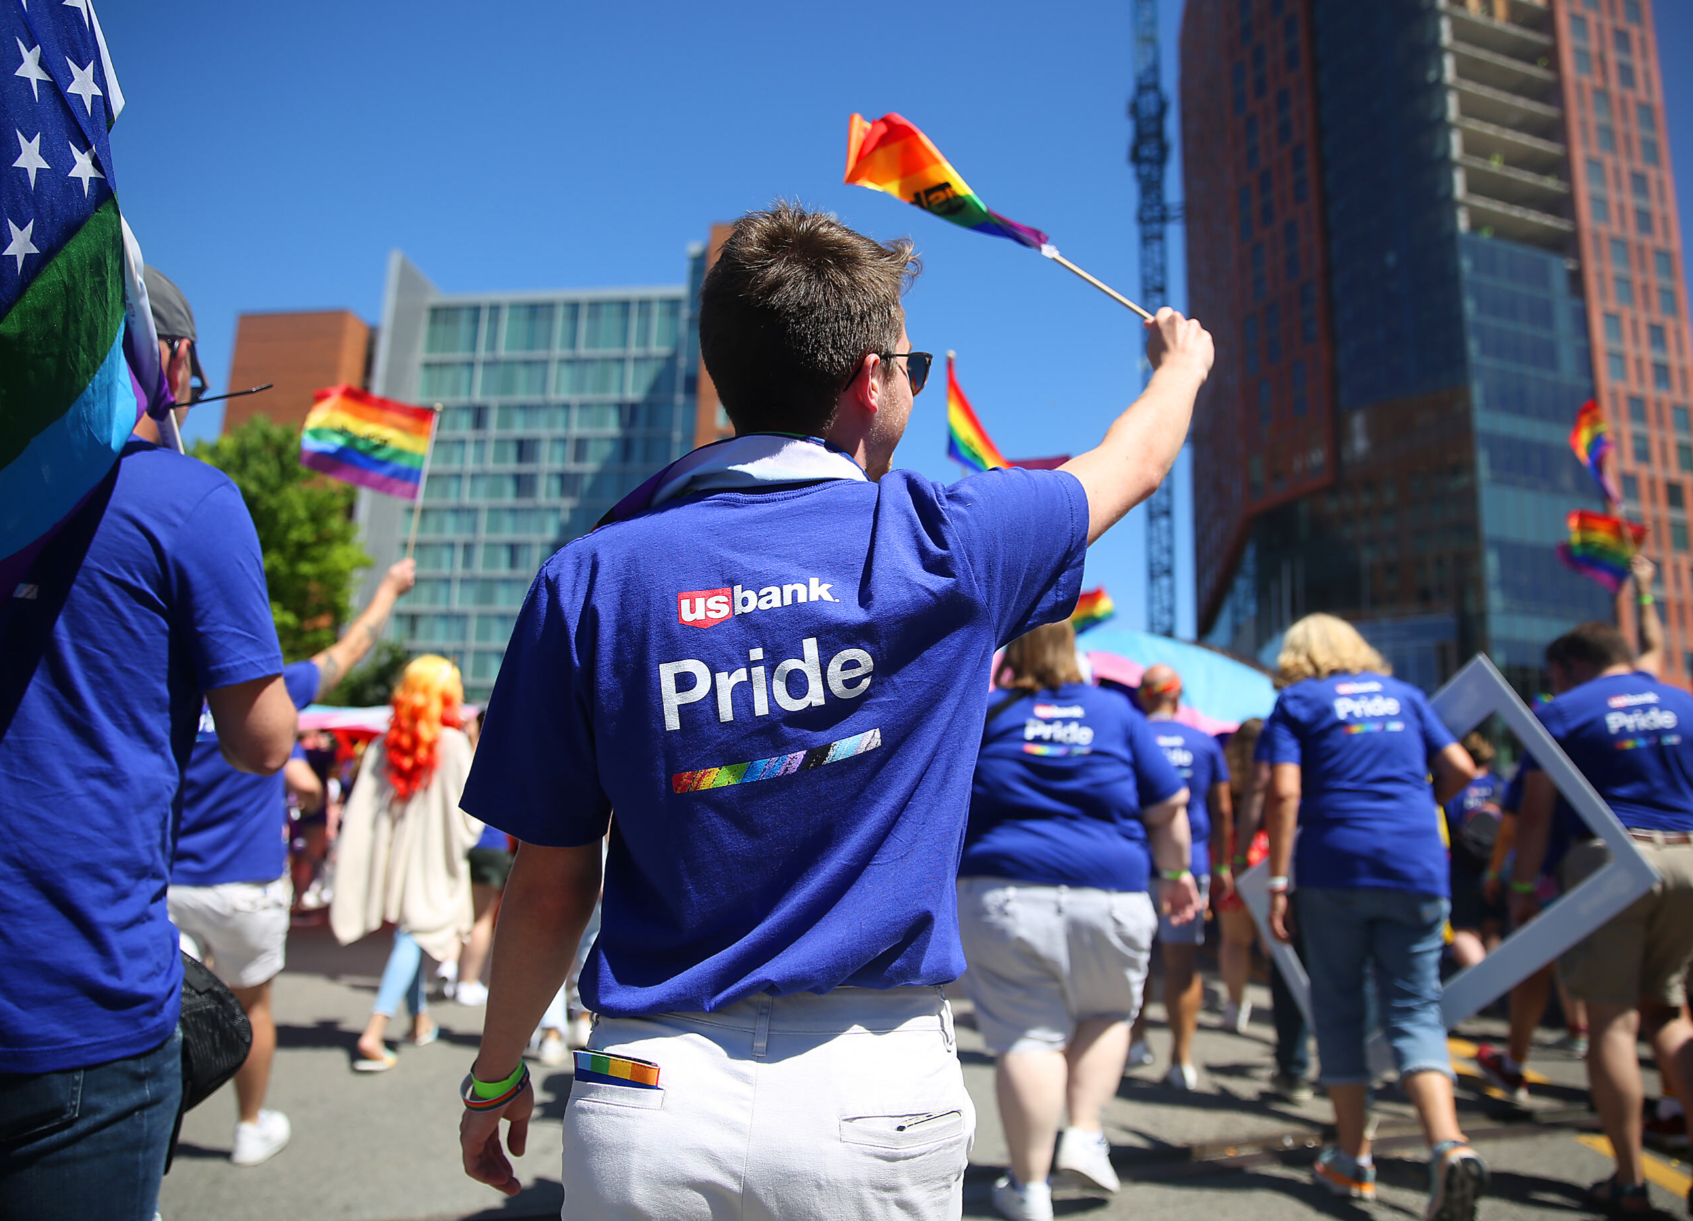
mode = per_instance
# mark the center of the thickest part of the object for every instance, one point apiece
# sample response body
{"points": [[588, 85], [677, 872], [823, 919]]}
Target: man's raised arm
{"points": [[1141, 446], [334, 662]]}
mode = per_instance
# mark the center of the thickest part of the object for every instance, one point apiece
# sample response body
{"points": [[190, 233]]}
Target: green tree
{"points": [[373, 680], [311, 548]]}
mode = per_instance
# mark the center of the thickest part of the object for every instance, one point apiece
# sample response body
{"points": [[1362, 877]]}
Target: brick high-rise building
{"points": [[300, 353], [1424, 234]]}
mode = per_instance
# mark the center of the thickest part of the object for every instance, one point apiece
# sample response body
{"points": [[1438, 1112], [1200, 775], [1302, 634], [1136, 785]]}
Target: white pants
{"points": [[847, 1106]]}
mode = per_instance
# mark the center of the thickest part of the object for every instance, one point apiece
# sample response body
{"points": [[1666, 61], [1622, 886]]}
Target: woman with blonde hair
{"points": [[1351, 749], [1071, 804], [402, 856]]}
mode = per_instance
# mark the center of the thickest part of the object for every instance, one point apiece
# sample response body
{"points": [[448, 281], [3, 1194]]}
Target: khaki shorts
{"points": [[1642, 952], [238, 929], [1043, 958]]}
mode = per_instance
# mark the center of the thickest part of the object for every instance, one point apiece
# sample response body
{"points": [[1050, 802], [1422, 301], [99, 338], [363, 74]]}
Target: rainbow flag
{"points": [[1600, 546], [967, 442], [1591, 441], [373, 442], [892, 155], [1093, 607]]}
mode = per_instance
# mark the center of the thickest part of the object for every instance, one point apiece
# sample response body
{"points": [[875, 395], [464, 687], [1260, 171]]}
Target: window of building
{"points": [[1284, 117], [1245, 214], [1290, 247], [1646, 118], [1625, 74], [1649, 150], [1250, 340], [1623, 41], [1308, 312], [1583, 61], [1643, 221], [452, 329], [1660, 376], [1642, 449], [1663, 264], [1237, 82], [1616, 366], [1266, 199], [1260, 83], [1273, 334], [1666, 302], [608, 325], [1301, 394], [1602, 105], [1251, 141], [445, 381], [1678, 535], [1631, 488], [1600, 207], [1290, 42], [1265, 402], [1624, 286], [1631, 11], [1301, 175], [1636, 410], [1657, 340], [1613, 328], [1578, 29], [529, 328], [1641, 187], [1607, 138], [1684, 456], [1259, 285], [1674, 496], [1678, 416], [1619, 254]]}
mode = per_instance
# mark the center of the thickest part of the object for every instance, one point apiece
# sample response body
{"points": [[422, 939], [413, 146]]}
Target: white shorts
{"points": [[238, 929], [1192, 932], [849, 1105], [1043, 958]]}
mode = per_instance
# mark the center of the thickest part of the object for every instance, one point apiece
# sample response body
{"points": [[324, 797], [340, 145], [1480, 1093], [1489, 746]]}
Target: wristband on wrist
{"points": [[1173, 875], [1524, 888], [1277, 886], [491, 1095], [1241, 858]]}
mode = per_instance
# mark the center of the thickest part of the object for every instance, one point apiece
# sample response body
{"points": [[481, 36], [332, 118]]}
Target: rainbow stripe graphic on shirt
{"points": [[622, 1070], [1376, 727], [778, 765], [1041, 748]]}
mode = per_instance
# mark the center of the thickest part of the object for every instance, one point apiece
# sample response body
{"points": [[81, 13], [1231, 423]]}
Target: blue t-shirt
{"points": [[167, 602], [1367, 815], [1062, 778], [1198, 759], [1472, 821], [1627, 735], [234, 824], [781, 693]]}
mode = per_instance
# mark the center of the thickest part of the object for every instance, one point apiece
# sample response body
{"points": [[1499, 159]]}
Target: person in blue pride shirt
{"points": [[1473, 819], [771, 661], [150, 598], [1071, 801], [1626, 732], [1198, 759], [1350, 749], [230, 892]]}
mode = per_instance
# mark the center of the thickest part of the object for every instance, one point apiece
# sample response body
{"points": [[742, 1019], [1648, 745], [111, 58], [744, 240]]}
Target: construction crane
{"points": [[1149, 153]]}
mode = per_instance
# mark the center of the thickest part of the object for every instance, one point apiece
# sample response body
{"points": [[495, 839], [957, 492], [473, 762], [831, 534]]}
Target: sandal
{"points": [[428, 1036], [1612, 1198], [365, 1064]]}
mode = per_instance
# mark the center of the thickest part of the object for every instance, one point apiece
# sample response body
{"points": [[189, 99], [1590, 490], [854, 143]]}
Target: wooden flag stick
{"points": [[423, 481], [1051, 252]]}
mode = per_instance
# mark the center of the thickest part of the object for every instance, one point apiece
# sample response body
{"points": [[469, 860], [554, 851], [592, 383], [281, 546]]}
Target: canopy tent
{"points": [[1218, 692]]}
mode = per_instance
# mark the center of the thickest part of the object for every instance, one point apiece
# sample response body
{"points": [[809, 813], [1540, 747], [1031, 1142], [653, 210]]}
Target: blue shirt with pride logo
{"points": [[1059, 787], [235, 825], [1367, 814], [781, 694], [1628, 735], [1198, 760], [168, 601]]}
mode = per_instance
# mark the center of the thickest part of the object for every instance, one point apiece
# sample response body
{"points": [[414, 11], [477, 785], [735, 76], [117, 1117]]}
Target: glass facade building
{"points": [[554, 406], [1491, 234]]}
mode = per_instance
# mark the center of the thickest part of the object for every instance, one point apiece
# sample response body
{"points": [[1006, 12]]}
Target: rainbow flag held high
{"points": [[1093, 607], [967, 442], [374, 442], [892, 155], [1600, 546], [1591, 441]]}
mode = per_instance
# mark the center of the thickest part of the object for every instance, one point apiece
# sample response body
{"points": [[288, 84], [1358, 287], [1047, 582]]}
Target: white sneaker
{"points": [[260, 1140], [1088, 1156], [1182, 1077], [1029, 1203], [581, 1030], [472, 992], [553, 1050], [1235, 1017], [1140, 1055]]}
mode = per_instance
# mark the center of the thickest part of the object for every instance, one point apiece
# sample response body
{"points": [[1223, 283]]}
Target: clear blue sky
{"points": [[271, 155]]}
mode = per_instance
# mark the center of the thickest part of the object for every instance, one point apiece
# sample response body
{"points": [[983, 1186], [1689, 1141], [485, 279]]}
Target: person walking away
{"points": [[1053, 909], [1351, 749], [230, 891], [148, 600], [1473, 818], [1199, 761], [1234, 922], [1623, 728], [490, 866], [770, 662], [403, 854]]}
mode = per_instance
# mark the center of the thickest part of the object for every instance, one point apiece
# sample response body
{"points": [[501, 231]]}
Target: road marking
{"points": [[1463, 1049], [1667, 1173]]}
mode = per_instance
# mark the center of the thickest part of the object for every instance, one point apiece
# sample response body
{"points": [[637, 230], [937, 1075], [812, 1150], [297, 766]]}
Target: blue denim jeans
{"points": [[1293, 1038], [403, 976], [1395, 935], [89, 1142]]}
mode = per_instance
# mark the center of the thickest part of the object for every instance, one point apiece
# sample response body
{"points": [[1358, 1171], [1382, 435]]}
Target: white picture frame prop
{"points": [[1472, 695]]}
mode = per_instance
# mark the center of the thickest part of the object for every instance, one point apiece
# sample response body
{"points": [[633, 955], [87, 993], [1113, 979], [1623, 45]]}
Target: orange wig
{"points": [[428, 697]]}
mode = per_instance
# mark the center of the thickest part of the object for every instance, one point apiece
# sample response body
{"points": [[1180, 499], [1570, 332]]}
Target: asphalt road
{"points": [[384, 1148]]}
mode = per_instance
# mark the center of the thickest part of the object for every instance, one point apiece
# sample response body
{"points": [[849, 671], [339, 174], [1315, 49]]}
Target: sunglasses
{"points": [[917, 365]]}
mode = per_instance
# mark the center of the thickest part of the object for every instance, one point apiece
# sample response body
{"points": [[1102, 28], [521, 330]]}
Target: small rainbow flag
{"points": [[1093, 607], [1591, 441], [1600, 546], [892, 155], [967, 442], [373, 442]]}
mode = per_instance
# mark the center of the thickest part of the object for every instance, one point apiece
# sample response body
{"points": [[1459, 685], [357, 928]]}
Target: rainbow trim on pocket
{"points": [[778, 765], [617, 1070]]}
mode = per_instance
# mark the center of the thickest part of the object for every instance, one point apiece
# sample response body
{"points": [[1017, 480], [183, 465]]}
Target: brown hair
{"points": [[794, 302], [1238, 751], [1479, 748], [1593, 643], [1043, 660]]}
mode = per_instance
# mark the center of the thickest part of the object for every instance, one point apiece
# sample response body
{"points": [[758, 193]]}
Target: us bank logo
{"points": [[708, 607]]}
